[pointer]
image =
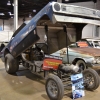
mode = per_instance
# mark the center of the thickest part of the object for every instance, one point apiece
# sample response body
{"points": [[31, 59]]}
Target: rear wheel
{"points": [[11, 64], [54, 87], [91, 79], [81, 64]]}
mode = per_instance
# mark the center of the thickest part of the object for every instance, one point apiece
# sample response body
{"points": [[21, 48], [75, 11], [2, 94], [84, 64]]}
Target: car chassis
{"points": [[23, 49]]}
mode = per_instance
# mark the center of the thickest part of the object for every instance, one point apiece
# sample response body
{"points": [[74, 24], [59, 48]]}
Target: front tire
{"points": [[11, 64], [54, 87], [91, 79], [81, 64]]}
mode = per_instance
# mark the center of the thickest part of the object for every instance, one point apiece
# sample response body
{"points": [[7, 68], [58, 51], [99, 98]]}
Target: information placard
{"points": [[77, 86]]}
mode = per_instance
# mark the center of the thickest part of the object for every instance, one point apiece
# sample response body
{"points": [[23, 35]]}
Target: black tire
{"points": [[54, 87], [11, 64], [81, 64], [91, 79]]}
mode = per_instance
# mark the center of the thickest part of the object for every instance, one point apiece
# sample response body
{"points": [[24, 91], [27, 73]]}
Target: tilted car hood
{"points": [[88, 50]]}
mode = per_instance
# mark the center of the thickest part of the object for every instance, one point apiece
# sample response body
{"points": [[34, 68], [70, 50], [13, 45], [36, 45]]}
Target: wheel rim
{"points": [[7, 65], [81, 67], [89, 79], [52, 88]]}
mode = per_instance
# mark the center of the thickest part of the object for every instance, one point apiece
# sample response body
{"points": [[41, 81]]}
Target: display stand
{"points": [[77, 86]]}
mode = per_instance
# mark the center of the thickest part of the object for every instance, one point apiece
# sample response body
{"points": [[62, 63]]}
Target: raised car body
{"points": [[55, 11]]}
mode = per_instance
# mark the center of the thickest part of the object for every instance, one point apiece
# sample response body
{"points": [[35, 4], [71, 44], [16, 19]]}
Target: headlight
{"points": [[57, 7], [94, 61], [97, 59]]}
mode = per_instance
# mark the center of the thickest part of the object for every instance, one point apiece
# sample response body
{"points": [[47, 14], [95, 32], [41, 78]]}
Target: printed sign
{"points": [[77, 86], [51, 62]]}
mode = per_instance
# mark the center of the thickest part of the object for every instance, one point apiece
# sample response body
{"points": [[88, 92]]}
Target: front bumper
{"points": [[94, 66]]}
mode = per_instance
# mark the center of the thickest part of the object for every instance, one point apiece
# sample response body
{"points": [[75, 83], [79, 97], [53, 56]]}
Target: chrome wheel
{"points": [[52, 88], [89, 79], [81, 67], [7, 64], [11, 64], [81, 64]]}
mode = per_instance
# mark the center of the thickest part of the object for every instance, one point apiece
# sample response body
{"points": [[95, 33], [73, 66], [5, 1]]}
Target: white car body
{"points": [[95, 43]]}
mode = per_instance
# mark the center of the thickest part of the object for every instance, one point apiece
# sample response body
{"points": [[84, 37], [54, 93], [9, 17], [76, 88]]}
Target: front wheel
{"points": [[91, 79], [11, 64], [54, 87], [81, 64]]}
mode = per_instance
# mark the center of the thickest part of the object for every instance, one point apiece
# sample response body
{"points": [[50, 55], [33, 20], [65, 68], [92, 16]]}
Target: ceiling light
{"points": [[8, 3], [2, 14], [10, 13], [12, 4], [34, 10]]}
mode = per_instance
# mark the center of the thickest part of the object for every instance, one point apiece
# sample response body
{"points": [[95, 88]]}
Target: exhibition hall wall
{"points": [[6, 30]]}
